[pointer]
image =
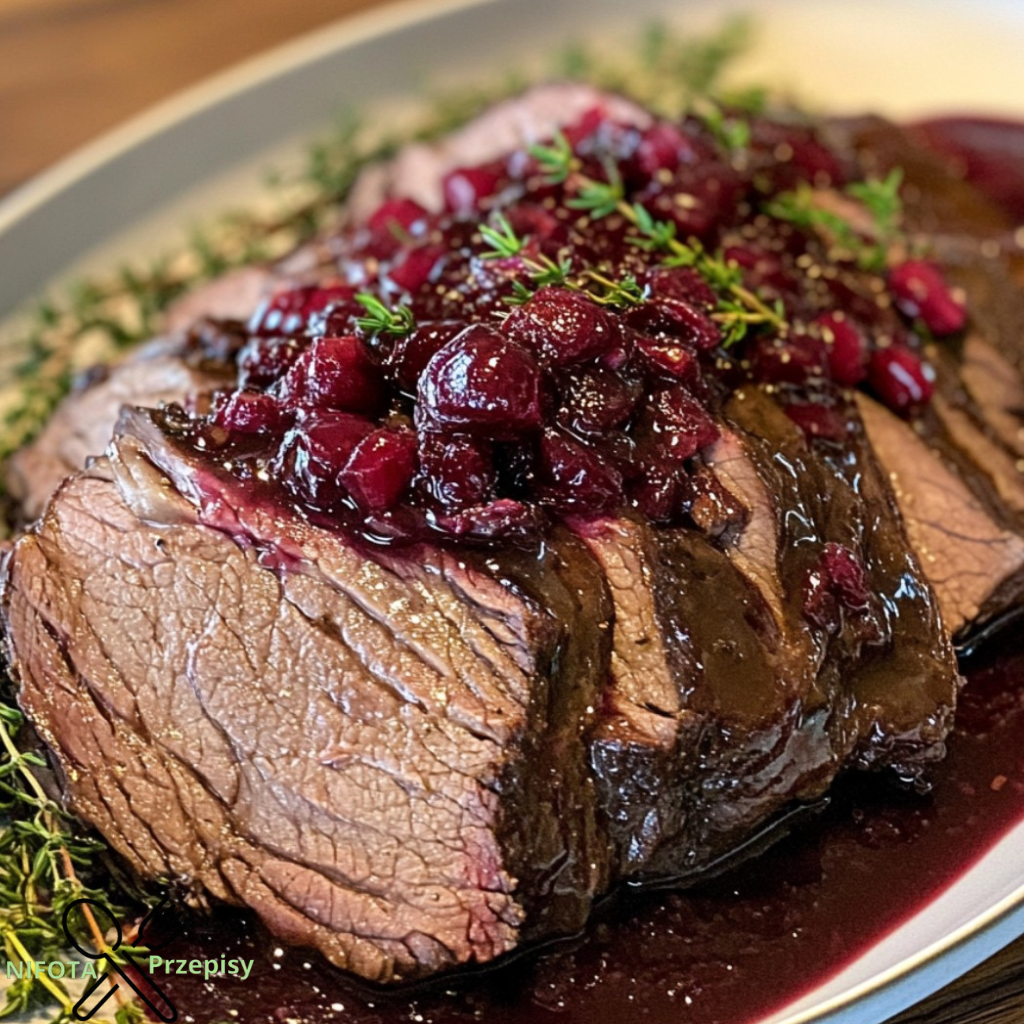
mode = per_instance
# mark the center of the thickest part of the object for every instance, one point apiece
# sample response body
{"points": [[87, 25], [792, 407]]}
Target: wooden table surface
{"points": [[70, 69]]}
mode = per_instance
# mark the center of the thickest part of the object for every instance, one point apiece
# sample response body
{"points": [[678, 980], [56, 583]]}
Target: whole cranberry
{"points": [[763, 269], [250, 412], [397, 216], [662, 147], [262, 361], [920, 290], [683, 284], [418, 267], [481, 383], [597, 400], [335, 373], [792, 360], [677, 320], [846, 348], [837, 581], [585, 126], [411, 352], [465, 188], [503, 518], [658, 492], [900, 378], [533, 220], [697, 199], [315, 451], [380, 468], [846, 576], [680, 426], [289, 312], [574, 478], [815, 162], [562, 327], [664, 358], [796, 155], [817, 420], [458, 470]]}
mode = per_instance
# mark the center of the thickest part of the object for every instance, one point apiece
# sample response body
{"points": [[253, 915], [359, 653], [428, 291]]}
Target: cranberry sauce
{"points": [[726, 953], [558, 339]]}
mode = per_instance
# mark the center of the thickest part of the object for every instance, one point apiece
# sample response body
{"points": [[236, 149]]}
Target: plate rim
{"points": [[212, 90]]}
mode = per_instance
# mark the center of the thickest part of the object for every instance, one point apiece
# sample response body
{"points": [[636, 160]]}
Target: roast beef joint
{"points": [[594, 497]]}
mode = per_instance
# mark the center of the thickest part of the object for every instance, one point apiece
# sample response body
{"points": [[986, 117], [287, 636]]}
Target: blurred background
{"points": [[70, 69]]}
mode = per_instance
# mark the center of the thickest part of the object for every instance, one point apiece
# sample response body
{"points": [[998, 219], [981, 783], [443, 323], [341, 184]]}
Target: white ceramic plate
{"points": [[131, 193]]}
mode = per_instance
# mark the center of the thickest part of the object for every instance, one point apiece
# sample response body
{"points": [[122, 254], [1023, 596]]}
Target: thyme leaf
{"points": [[503, 240], [868, 248], [380, 319], [556, 160], [599, 198]]}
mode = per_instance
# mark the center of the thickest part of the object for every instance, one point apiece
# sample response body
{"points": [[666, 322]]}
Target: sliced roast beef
{"points": [[975, 565], [233, 296], [836, 493], [357, 747], [645, 740], [790, 694], [419, 759], [177, 368], [389, 639], [726, 700], [959, 474]]}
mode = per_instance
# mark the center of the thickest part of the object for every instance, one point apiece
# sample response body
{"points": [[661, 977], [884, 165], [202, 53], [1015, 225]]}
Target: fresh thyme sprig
{"points": [[555, 160], [624, 292], [381, 319], [869, 248], [738, 307], [881, 198], [731, 132], [503, 240], [41, 855], [599, 198]]}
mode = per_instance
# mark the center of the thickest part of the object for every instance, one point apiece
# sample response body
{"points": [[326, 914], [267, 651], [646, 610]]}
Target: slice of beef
{"points": [[938, 200], [233, 296], [788, 698], [358, 746], [177, 368], [420, 760], [533, 116], [975, 565], [725, 703], [837, 493], [960, 475], [644, 734]]}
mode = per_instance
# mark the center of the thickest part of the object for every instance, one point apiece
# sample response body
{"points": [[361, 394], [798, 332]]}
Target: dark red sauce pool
{"points": [[727, 953]]}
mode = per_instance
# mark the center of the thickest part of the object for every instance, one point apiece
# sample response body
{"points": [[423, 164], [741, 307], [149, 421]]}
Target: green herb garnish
{"points": [[380, 319], [599, 198], [556, 160], [503, 240], [868, 249]]}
